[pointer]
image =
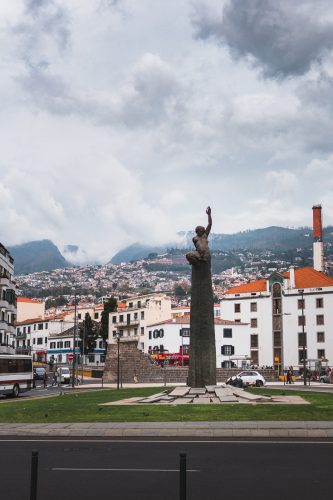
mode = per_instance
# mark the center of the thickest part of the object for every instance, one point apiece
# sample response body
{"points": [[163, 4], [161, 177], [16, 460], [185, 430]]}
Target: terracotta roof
{"points": [[28, 301], [32, 320], [253, 286], [305, 277], [185, 320]]}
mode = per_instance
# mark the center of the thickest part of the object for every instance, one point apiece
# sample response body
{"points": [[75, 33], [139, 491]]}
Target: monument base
{"points": [[202, 369]]}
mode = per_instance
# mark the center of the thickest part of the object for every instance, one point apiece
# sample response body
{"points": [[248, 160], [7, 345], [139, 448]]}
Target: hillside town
{"points": [[271, 319]]}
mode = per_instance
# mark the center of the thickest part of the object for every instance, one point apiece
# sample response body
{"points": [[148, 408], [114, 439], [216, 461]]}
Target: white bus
{"points": [[16, 374]]}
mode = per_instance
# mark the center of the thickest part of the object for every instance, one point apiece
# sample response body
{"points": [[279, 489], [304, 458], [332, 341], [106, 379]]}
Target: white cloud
{"points": [[120, 124]]}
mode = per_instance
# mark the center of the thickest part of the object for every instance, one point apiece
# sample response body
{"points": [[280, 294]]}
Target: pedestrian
{"points": [[55, 378], [45, 379], [288, 376]]}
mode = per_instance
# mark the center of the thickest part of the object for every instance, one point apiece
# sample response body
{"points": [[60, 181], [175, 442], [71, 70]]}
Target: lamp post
{"points": [[303, 336], [74, 340], [118, 358]]}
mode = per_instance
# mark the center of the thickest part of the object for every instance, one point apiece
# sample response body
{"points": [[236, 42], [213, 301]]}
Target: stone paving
{"points": [[208, 395]]}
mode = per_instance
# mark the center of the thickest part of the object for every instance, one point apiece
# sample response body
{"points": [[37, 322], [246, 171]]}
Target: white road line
{"points": [[166, 441], [71, 469]]}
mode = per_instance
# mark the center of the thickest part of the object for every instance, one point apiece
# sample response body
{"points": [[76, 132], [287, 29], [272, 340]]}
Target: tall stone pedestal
{"points": [[202, 370]]}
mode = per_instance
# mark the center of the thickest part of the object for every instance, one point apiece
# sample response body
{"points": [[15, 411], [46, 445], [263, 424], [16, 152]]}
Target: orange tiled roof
{"points": [[305, 277], [253, 286], [185, 319], [29, 301], [32, 320]]}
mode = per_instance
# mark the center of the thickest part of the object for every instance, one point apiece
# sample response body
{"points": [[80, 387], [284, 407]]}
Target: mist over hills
{"points": [[269, 238], [43, 255]]}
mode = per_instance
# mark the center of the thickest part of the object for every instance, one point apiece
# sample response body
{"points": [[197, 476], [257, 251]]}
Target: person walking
{"points": [[288, 377]]}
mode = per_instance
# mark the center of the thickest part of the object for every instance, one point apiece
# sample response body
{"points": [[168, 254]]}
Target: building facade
{"points": [[7, 301], [134, 314], [232, 340], [289, 315]]}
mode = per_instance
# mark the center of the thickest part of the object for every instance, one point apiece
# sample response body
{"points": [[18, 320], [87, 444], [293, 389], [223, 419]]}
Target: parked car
{"points": [[324, 378], [39, 373], [247, 378]]}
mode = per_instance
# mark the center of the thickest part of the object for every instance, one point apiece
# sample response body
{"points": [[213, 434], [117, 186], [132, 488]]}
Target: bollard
{"points": [[34, 475], [182, 476]]}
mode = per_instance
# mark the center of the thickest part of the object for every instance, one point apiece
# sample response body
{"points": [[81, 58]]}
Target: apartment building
{"points": [[32, 335], [232, 339], [288, 314], [7, 301], [135, 313]]}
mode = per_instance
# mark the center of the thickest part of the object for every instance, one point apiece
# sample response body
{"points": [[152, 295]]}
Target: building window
{"points": [[301, 304], [237, 320], [254, 323], [254, 357], [227, 364], [253, 307], [227, 350], [91, 358], [34, 341], [130, 304], [319, 303], [135, 331], [29, 329], [136, 315], [60, 345], [52, 345], [301, 339], [40, 326], [254, 341], [96, 316], [237, 308], [114, 319], [67, 343], [142, 315], [59, 358], [79, 316], [276, 306], [227, 333], [321, 353], [46, 326], [121, 318], [277, 339], [320, 336], [302, 321], [320, 319], [142, 329]]}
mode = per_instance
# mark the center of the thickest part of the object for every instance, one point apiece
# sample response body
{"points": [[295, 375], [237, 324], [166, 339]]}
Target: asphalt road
{"points": [[122, 469]]}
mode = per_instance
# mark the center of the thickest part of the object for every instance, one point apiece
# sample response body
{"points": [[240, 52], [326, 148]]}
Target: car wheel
{"points": [[259, 383], [16, 391]]}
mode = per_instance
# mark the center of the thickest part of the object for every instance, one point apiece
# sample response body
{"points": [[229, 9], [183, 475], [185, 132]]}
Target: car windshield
{"points": [[64, 370]]}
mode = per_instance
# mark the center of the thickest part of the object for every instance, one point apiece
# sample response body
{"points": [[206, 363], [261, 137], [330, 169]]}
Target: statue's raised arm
{"points": [[209, 226]]}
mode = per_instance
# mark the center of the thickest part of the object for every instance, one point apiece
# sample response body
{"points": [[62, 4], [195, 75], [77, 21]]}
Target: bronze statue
{"points": [[200, 241]]}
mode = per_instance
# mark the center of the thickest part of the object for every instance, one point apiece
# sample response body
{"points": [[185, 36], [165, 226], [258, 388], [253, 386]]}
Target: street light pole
{"points": [[74, 340], [118, 359], [303, 337]]}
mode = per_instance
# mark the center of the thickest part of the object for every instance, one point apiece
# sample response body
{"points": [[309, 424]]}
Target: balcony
{"points": [[21, 336], [7, 349], [126, 324]]}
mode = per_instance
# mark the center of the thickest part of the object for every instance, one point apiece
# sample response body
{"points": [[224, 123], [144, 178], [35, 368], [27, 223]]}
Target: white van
{"points": [[64, 375]]}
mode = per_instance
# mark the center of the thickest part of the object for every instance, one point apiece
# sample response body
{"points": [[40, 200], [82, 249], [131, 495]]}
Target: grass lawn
{"points": [[83, 407]]}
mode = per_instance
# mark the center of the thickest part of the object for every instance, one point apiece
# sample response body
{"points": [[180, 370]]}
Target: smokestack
{"points": [[318, 247]]}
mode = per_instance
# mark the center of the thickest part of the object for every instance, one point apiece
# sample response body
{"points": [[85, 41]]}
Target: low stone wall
{"points": [[134, 365]]}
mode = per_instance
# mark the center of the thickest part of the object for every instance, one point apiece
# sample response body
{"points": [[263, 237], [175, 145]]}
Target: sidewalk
{"points": [[245, 429]]}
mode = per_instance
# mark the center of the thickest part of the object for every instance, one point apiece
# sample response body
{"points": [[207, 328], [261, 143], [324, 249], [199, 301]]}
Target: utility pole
{"points": [[303, 336], [74, 340]]}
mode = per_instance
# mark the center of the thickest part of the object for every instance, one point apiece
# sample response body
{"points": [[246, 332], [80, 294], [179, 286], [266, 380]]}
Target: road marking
{"points": [[166, 441], [80, 469]]}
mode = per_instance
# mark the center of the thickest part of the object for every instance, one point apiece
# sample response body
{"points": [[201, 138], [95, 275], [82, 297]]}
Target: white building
{"points": [[279, 310], [60, 349], [7, 301], [32, 335], [173, 335], [135, 313]]}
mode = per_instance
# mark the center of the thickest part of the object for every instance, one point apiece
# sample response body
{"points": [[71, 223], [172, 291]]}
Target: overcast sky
{"points": [[121, 120]]}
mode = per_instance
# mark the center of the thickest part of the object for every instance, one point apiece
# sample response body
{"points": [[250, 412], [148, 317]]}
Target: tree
{"points": [[88, 333], [109, 306]]}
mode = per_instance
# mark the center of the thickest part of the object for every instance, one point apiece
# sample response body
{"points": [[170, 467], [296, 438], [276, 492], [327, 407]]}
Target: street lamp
{"points": [[74, 340], [301, 292], [118, 359]]}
